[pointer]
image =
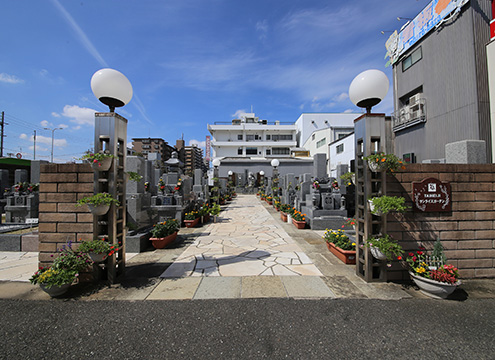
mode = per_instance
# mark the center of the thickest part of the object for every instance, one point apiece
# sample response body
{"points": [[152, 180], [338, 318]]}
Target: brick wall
{"points": [[467, 233], [60, 221]]}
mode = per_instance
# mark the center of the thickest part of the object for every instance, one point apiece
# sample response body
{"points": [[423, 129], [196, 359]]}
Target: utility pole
{"points": [[53, 132], [34, 149], [1, 135]]}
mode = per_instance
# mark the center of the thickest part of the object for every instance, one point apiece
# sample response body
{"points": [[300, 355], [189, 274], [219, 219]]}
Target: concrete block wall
{"points": [[60, 220], [467, 233]]}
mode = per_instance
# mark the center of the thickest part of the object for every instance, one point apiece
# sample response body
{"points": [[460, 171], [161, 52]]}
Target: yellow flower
{"points": [[420, 270]]}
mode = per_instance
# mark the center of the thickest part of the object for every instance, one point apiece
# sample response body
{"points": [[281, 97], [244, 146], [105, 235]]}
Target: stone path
{"points": [[246, 242], [17, 266]]}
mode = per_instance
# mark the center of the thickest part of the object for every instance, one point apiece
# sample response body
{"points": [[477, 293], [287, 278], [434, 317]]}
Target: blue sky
{"points": [[190, 62]]}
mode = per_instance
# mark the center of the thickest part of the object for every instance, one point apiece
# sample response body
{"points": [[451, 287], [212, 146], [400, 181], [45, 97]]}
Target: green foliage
{"points": [[284, 208], [387, 245], [98, 246], [165, 228], [215, 209], [98, 199], [339, 239], [385, 204], [347, 178], [53, 277], [192, 215], [134, 176], [438, 251], [388, 161], [203, 210], [96, 158]]}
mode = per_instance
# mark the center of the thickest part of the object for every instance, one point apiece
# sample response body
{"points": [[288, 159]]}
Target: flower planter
{"points": [[372, 209], [432, 288], [270, 202], [289, 218], [97, 258], [205, 218], [377, 254], [376, 166], [98, 209], [346, 256], [160, 243], [283, 216], [299, 224], [191, 223], [55, 291], [104, 165]]}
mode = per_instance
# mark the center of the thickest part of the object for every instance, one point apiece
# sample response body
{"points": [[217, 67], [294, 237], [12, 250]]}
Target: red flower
{"points": [[420, 253], [411, 254], [414, 258], [422, 248], [399, 257]]}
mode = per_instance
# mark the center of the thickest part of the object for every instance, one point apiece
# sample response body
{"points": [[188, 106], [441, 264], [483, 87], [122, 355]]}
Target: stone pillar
{"points": [[21, 175]]}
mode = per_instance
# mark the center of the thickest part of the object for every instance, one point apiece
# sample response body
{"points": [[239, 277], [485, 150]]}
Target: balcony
{"points": [[409, 115]]}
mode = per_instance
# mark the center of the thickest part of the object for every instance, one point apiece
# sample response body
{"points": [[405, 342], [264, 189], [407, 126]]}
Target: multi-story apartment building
{"points": [[194, 160], [152, 145], [250, 137], [441, 79]]}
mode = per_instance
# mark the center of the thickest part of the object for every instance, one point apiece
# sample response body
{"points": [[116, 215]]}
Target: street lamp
{"points": [[368, 89], [53, 132], [112, 88], [275, 163], [262, 174]]}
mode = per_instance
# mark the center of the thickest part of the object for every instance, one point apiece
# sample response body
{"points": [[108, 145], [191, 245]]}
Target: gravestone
{"points": [[466, 152], [21, 175]]}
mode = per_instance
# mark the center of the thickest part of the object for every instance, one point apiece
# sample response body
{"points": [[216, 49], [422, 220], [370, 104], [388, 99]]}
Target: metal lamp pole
{"points": [[53, 133]]}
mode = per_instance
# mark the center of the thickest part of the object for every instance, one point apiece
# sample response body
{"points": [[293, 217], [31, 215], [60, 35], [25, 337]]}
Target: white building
{"points": [[251, 137], [340, 124], [341, 153]]}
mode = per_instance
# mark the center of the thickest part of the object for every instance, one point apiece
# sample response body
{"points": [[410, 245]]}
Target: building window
{"points": [[340, 149], [251, 151], [239, 151], [313, 137], [281, 151], [146, 147], [268, 137], [239, 137], [282, 137], [268, 152], [321, 142], [249, 137], [157, 146], [412, 59]]}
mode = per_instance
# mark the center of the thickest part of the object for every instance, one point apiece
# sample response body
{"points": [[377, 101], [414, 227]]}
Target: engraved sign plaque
{"points": [[432, 195]]}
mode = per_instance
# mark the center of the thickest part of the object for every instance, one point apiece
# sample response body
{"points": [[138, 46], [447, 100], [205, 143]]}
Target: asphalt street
{"points": [[248, 329]]}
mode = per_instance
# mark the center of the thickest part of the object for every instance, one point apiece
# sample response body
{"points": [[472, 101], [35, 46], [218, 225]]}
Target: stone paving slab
{"points": [[306, 287], [175, 289], [219, 288], [262, 287]]}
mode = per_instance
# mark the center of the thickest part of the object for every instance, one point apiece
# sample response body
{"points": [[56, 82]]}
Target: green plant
{"points": [[98, 246], [215, 209], [192, 215], [387, 245], [419, 263], [134, 176], [389, 161], [203, 210], [350, 222], [96, 158], [438, 251], [23, 187], [161, 185], [339, 239], [165, 228], [98, 199], [348, 178], [284, 208], [385, 204], [298, 216], [53, 277]]}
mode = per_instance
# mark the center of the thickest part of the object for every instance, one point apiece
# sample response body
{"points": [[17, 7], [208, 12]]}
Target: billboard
{"points": [[208, 148], [433, 15]]}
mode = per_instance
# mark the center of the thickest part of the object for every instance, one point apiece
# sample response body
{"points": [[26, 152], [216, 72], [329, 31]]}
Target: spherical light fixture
{"points": [[275, 163], [230, 172], [369, 88], [216, 162], [262, 173], [111, 87]]}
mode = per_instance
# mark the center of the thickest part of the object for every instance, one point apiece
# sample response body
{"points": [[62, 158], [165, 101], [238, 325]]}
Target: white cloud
{"points": [[10, 79], [201, 144], [63, 126], [262, 29], [342, 97], [23, 136], [47, 140], [239, 113], [38, 148], [54, 114], [45, 123], [79, 115]]}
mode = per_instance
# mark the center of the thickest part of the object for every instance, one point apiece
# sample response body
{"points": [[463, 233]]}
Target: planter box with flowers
{"points": [[299, 219], [204, 213], [382, 205], [100, 161], [192, 219], [340, 245], [384, 162], [98, 249], [98, 204], [269, 200], [384, 248], [164, 233]]}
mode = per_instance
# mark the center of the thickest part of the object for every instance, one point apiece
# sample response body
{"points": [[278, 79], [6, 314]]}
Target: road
{"points": [[248, 329]]}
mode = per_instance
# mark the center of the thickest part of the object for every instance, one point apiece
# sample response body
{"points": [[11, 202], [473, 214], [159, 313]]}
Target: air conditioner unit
{"points": [[413, 100], [414, 115], [236, 122]]}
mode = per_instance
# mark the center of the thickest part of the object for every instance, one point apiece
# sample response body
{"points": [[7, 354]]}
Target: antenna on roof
{"points": [[251, 108]]}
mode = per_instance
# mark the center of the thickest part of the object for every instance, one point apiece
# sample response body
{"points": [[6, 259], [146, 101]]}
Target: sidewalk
{"points": [[249, 253]]}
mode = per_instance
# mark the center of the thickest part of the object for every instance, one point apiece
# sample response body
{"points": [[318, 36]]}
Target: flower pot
{"points": [[191, 223], [97, 258], [377, 166], [205, 218], [432, 288], [372, 209], [346, 256], [377, 254], [299, 224], [104, 165], [55, 291], [160, 243], [98, 209], [270, 202], [283, 216]]}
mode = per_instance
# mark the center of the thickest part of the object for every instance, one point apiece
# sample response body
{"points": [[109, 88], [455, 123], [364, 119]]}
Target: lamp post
{"points": [[53, 134], [111, 87], [368, 89], [216, 164], [275, 163], [262, 174]]}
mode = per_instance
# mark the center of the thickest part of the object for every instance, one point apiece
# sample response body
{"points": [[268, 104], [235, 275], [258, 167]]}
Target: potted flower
{"points": [[383, 162], [98, 204], [349, 178], [215, 210], [382, 205], [316, 185], [204, 213], [284, 208], [164, 233], [269, 200], [161, 186], [384, 248], [57, 279], [100, 161], [146, 186], [191, 219], [98, 249], [299, 219], [335, 185], [340, 245], [350, 222], [435, 281]]}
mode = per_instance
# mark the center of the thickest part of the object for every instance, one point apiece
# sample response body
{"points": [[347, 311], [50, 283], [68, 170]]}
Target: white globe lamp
{"points": [[111, 87], [230, 172], [262, 173], [369, 88], [275, 163], [216, 162]]}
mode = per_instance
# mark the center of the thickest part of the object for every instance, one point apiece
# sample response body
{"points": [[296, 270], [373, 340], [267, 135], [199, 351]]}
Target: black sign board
{"points": [[432, 195]]}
